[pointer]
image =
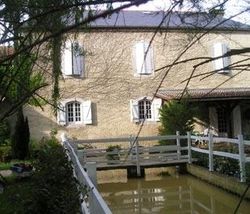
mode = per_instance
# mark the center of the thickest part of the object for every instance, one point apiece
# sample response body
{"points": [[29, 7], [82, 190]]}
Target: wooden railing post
{"points": [[189, 147], [138, 169], [211, 148], [91, 170], [242, 159], [178, 144], [131, 141]]}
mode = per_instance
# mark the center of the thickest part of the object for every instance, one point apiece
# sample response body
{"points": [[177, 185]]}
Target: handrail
{"points": [[95, 202]]}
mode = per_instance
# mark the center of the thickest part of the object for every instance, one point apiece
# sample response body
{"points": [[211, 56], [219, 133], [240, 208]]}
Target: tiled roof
{"points": [[206, 94], [175, 20]]}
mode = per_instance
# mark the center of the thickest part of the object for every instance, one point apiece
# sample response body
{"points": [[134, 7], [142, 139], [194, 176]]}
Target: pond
{"points": [[168, 194]]}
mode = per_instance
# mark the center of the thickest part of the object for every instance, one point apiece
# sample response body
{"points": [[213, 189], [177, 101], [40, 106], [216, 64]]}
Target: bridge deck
{"points": [[145, 164]]}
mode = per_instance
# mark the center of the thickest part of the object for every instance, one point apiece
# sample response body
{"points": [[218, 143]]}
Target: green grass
{"points": [[7, 165], [17, 196]]}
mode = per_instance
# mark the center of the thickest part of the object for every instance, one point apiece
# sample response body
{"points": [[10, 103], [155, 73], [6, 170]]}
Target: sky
{"points": [[232, 7]]}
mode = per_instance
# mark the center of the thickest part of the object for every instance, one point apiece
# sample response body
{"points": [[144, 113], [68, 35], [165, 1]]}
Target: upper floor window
{"points": [[221, 64], [72, 59], [76, 111], [145, 109], [143, 58]]}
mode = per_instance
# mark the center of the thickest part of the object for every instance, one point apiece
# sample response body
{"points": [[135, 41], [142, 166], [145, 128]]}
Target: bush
{"points": [[113, 148], [4, 133], [176, 116], [5, 153], [55, 187]]}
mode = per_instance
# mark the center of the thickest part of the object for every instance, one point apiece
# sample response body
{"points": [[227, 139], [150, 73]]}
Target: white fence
{"points": [[211, 141], [133, 153], [94, 203]]}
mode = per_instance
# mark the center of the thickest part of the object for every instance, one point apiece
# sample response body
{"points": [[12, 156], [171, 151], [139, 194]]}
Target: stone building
{"points": [[120, 71]]}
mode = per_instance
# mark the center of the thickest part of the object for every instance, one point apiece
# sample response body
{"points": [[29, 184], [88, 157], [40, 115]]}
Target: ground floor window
{"points": [[222, 120], [73, 111], [145, 111]]}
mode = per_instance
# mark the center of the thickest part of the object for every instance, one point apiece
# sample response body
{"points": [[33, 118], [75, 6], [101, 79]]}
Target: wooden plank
{"points": [[199, 150], [226, 154], [225, 140]]}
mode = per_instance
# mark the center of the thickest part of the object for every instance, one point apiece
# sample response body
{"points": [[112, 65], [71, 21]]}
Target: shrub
{"points": [[4, 133], [113, 148], [176, 116], [55, 187], [5, 153]]}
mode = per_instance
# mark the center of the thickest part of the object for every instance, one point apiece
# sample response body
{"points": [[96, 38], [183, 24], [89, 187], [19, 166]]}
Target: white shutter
{"points": [[149, 59], [87, 112], [139, 54], [134, 110], [67, 58], [156, 105], [226, 60], [78, 59], [220, 49], [61, 114]]}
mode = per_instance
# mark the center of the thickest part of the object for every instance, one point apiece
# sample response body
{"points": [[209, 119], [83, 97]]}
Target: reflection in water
{"points": [[183, 194]]}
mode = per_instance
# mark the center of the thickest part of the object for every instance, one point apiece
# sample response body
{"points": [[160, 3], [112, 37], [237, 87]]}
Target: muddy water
{"points": [[168, 194]]}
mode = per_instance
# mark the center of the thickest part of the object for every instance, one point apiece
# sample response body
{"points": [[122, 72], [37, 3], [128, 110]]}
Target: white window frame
{"points": [[76, 109], [143, 59], [72, 59], [220, 64], [154, 109], [85, 112]]}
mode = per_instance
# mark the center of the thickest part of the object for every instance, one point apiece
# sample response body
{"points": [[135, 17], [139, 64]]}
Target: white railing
{"points": [[94, 203], [211, 140], [133, 153]]}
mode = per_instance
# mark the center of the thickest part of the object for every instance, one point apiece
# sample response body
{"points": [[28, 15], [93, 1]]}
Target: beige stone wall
{"points": [[109, 80]]}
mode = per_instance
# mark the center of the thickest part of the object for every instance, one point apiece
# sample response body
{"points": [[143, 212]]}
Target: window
{"points": [[75, 111], [144, 108], [72, 59], [222, 121], [221, 64], [143, 58]]}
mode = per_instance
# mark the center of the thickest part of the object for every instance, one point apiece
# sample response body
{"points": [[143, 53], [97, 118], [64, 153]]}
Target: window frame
{"points": [[76, 108], [85, 112]]}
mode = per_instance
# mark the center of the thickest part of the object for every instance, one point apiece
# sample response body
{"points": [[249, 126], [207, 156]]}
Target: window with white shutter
{"points": [[145, 109], [143, 54], [74, 111], [221, 64], [72, 59]]}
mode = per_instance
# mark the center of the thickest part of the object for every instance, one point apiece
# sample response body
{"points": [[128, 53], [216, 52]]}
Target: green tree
{"points": [[21, 137], [177, 116]]}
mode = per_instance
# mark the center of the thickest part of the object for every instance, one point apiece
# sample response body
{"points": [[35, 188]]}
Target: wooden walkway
{"points": [[131, 154]]}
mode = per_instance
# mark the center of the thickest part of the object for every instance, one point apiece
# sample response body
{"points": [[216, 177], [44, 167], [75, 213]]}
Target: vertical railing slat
{"points": [[211, 147], [242, 159]]}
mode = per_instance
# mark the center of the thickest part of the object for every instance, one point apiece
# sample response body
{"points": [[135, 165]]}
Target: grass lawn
{"points": [[7, 165], [16, 196]]}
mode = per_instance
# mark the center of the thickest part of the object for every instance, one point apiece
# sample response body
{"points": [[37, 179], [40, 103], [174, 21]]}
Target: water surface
{"points": [[169, 194]]}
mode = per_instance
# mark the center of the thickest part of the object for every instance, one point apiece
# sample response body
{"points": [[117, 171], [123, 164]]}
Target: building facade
{"points": [[116, 76]]}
